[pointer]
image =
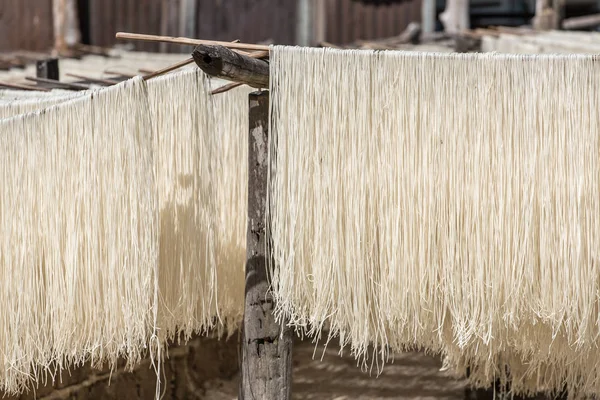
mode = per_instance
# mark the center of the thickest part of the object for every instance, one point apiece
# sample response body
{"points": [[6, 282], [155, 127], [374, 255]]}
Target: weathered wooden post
{"points": [[266, 346], [455, 17]]}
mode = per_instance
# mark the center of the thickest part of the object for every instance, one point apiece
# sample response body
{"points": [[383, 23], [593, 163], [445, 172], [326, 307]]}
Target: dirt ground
{"points": [[207, 369], [411, 376]]}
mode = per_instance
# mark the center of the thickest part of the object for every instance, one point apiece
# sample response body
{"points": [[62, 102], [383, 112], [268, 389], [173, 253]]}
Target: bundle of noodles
{"points": [[201, 278], [78, 235], [441, 201], [13, 107], [200, 154], [230, 177], [201, 182], [179, 106]]}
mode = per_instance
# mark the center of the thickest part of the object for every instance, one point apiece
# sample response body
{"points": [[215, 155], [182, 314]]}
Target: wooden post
{"points": [[455, 17], [47, 69], [187, 18], [303, 22], [266, 346], [320, 21], [428, 9], [548, 14], [66, 24]]}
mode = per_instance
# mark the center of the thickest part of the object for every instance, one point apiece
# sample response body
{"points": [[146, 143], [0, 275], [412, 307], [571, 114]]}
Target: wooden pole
{"points": [[58, 84], [169, 68], [22, 87], [303, 22], [187, 18], [428, 11], [93, 80], [47, 69], [587, 21], [224, 63], [266, 346], [455, 17], [546, 17], [66, 24], [320, 22], [183, 40]]}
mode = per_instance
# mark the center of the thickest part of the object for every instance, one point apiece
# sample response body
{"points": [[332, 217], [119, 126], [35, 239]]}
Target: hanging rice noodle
{"points": [[448, 202], [78, 242], [191, 151], [201, 184]]}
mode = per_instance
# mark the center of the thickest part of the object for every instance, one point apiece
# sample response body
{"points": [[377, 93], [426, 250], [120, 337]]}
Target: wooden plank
{"points": [[26, 25], [319, 20], [266, 346], [359, 26], [290, 37], [164, 24], [380, 20], [173, 25], [390, 22], [368, 22]]}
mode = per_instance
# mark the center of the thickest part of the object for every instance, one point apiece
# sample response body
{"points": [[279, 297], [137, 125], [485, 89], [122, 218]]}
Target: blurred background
{"points": [[39, 25]]}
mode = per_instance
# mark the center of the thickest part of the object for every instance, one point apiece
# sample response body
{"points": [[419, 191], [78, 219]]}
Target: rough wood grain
{"points": [[266, 345], [223, 63]]}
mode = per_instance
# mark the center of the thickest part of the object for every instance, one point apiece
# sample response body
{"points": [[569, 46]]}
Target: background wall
{"points": [[27, 24]]}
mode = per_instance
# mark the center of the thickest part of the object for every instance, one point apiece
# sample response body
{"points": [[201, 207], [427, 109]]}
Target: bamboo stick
{"points": [[67, 85], [169, 68], [226, 88], [23, 87], [95, 80], [101, 51], [188, 41], [111, 72]]}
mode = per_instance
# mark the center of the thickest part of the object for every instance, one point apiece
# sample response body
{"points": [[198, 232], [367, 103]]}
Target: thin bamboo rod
{"points": [[89, 79], [111, 72], [188, 41], [23, 87], [226, 88], [169, 68], [54, 82]]}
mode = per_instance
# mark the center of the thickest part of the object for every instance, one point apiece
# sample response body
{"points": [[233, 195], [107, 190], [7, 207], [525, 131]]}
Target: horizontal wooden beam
{"points": [[587, 21], [22, 87], [58, 84], [92, 80], [188, 41], [221, 62]]}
